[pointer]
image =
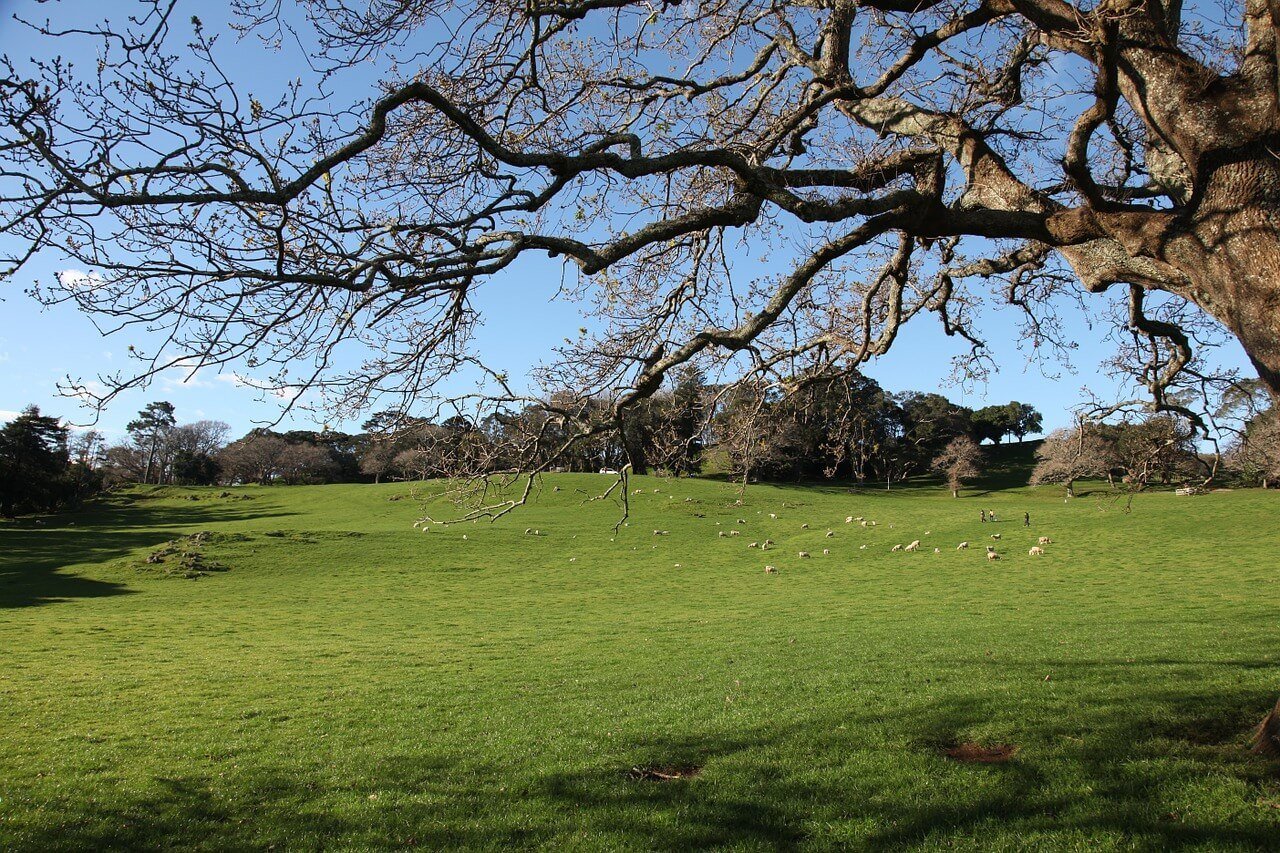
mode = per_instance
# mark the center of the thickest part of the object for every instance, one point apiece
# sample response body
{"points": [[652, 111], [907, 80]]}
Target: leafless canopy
{"points": [[886, 157]]}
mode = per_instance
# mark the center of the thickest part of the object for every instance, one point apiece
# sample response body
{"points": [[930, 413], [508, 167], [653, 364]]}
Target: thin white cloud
{"points": [[79, 280], [232, 378]]}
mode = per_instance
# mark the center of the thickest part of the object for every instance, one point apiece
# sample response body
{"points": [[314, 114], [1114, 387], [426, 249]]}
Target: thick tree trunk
{"points": [[1230, 251]]}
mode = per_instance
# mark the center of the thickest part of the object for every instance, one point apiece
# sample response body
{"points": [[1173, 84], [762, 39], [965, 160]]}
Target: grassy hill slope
{"points": [[348, 681]]}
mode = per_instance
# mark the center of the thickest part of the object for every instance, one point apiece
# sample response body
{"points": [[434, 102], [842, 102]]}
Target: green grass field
{"points": [[349, 682]]}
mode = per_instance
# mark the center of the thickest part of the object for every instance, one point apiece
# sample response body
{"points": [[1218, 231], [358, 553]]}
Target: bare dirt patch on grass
{"points": [[663, 772], [978, 753]]}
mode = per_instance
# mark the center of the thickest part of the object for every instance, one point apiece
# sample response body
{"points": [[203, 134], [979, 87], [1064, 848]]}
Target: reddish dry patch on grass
{"points": [[976, 753], [664, 773]]}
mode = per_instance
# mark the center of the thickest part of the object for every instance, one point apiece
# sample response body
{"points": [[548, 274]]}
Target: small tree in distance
{"points": [[1068, 455], [959, 461]]}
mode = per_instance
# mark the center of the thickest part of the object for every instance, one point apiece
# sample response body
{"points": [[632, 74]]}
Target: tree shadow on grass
{"points": [[1114, 788], [35, 552]]}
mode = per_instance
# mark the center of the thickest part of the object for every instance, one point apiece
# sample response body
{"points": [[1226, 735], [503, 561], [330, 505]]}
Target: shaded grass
{"points": [[393, 688]]}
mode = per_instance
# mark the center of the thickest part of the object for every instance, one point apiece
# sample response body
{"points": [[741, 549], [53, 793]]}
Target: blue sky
{"points": [[39, 347]]}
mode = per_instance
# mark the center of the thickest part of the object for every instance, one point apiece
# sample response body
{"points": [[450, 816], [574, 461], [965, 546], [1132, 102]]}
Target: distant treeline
{"points": [[842, 427]]}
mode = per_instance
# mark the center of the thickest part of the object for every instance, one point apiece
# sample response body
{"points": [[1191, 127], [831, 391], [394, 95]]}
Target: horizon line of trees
{"points": [[832, 427]]}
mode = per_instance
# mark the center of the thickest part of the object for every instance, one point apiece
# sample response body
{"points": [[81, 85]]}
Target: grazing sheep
{"points": [[830, 533], [804, 555], [914, 546], [556, 489], [659, 533], [995, 535], [858, 518], [1045, 540], [895, 549], [754, 545], [826, 552], [937, 550], [464, 536], [873, 524], [742, 521], [863, 523], [848, 520], [992, 555], [735, 532], [770, 570], [927, 532], [862, 547], [1036, 551], [573, 559], [528, 531], [773, 515], [962, 546], [768, 541], [804, 527], [720, 533]]}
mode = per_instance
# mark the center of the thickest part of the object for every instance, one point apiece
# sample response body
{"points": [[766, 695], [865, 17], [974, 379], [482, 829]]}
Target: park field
{"points": [[322, 675]]}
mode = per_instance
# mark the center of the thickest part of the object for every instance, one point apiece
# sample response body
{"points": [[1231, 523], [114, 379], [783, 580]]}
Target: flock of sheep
{"points": [[766, 544], [914, 545]]}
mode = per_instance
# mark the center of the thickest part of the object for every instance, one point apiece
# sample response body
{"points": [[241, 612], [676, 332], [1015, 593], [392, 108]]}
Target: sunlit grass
{"points": [[351, 682]]}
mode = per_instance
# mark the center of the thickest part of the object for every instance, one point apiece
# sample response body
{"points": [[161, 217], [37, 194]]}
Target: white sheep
{"points": [[895, 549], [773, 515], [914, 546], [659, 533], [1045, 540], [804, 555], [1036, 551], [830, 533], [862, 547], [826, 552], [754, 545], [770, 570], [742, 521], [735, 532], [858, 518], [720, 533], [995, 535], [937, 550], [804, 527], [992, 555], [768, 541], [863, 523], [962, 546], [848, 519]]}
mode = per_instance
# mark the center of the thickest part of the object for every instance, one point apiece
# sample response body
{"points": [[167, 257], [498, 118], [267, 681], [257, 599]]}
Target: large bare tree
{"points": [[895, 150]]}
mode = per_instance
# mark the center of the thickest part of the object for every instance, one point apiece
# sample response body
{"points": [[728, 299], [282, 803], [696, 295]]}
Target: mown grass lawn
{"points": [[350, 682]]}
